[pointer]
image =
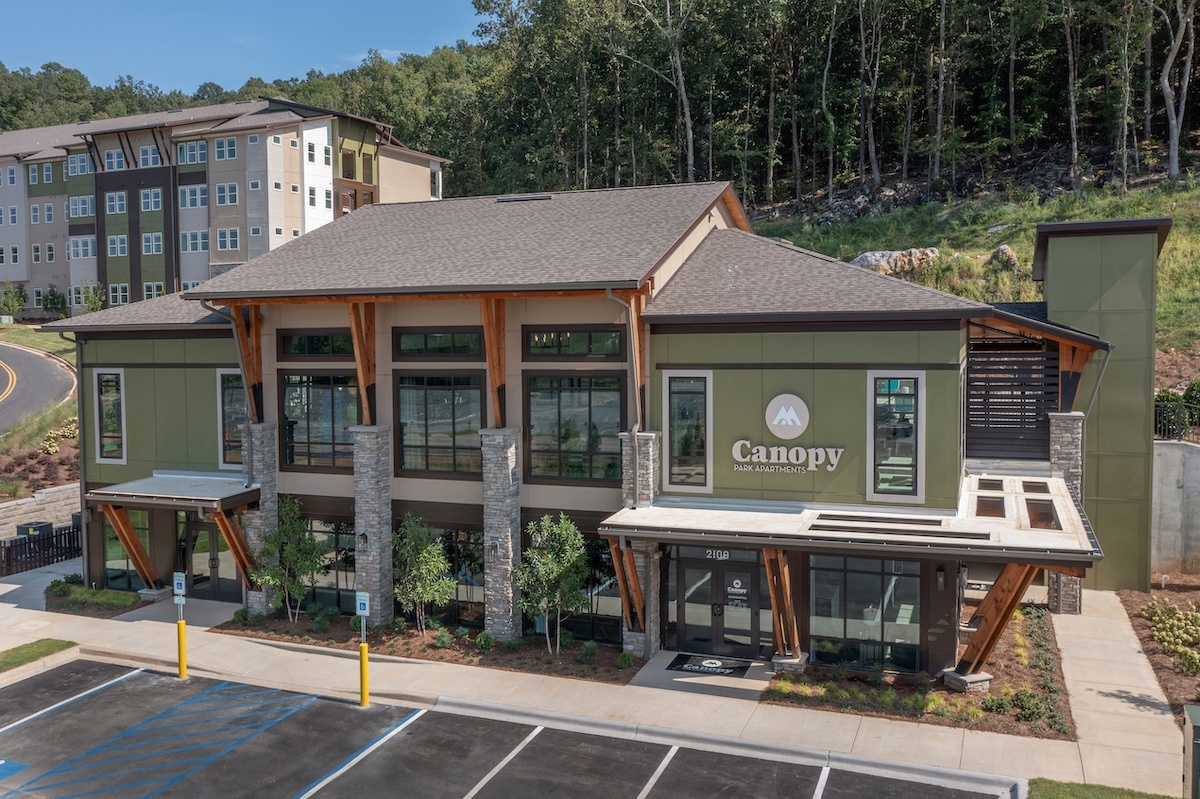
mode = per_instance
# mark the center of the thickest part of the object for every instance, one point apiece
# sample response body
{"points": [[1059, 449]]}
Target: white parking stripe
{"points": [[56, 706], [666, 761], [354, 761], [499, 766], [821, 783]]}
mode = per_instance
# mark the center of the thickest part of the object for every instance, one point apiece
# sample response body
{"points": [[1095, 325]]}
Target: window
{"points": [[348, 172], [225, 149], [14, 254], [75, 296], [334, 586], [12, 176], [49, 253], [328, 198], [277, 185], [293, 143], [255, 185], [320, 345], [12, 215], [598, 342], [64, 170], [35, 214], [231, 415], [151, 199], [226, 194], [896, 430], [83, 247], [2, 252], [276, 140], [193, 241], [227, 238], [152, 289], [328, 155], [37, 295], [33, 174], [48, 214], [295, 232], [368, 168], [252, 138], [447, 344], [278, 231], [312, 152], [193, 152], [119, 571], [865, 613], [35, 255], [438, 421], [114, 202], [573, 422], [318, 411], [114, 160], [118, 293], [84, 205], [47, 173], [80, 164], [110, 416], [148, 155], [117, 246], [193, 196], [152, 243], [256, 231], [312, 196], [295, 188]]}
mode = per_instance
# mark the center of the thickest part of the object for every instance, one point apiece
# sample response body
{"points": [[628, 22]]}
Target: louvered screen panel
{"points": [[1009, 393]]}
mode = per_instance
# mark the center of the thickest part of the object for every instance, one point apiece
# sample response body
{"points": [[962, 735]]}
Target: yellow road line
{"points": [[12, 380]]}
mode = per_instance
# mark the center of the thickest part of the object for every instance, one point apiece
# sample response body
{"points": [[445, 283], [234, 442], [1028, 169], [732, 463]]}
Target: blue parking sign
{"points": [[362, 601]]}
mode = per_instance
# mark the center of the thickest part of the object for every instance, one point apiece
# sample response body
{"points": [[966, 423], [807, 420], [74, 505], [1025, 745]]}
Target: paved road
{"points": [[88, 728], [28, 383]]}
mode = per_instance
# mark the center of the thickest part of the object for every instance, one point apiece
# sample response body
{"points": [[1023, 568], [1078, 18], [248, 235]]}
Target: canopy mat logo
{"points": [[787, 416]]}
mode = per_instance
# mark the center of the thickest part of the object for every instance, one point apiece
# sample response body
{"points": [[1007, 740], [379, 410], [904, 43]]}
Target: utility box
{"points": [[1191, 752], [35, 528]]}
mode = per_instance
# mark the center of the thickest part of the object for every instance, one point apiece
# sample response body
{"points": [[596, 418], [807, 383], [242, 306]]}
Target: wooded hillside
{"points": [[783, 97]]}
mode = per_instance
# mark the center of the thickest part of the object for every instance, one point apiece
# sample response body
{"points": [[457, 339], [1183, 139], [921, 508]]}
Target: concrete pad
{"points": [[1106, 672], [1133, 700], [1152, 772], [655, 674], [575, 697], [909, 742], [813, 729], [1100, 649], [199, 613], [1011, 755], [717, 715], [1151, 733]]}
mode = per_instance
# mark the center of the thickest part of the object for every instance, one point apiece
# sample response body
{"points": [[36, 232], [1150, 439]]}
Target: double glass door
{"points": [[208, 563], [720, 608]]}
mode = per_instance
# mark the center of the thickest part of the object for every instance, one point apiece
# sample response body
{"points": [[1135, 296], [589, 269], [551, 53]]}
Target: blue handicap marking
{"points": [[10, 767]]}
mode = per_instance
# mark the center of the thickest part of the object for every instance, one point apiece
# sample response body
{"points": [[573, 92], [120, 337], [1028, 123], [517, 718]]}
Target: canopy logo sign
{"points": [[787, 417]]}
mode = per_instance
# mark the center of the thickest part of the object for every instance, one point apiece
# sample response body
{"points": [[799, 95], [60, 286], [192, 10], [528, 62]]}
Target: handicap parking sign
{"points": [[362, 601], [178, 580]]}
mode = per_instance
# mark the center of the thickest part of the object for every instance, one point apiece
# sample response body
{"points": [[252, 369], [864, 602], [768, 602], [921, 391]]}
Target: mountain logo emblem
{"points": [[787, 416]]}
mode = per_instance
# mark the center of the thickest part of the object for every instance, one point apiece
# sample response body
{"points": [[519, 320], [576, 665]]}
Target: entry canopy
{"points": [[196, 491], [1004, 519]]}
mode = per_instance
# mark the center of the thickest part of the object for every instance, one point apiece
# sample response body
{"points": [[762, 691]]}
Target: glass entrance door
{"points": [[720, 608], [209, 565]]}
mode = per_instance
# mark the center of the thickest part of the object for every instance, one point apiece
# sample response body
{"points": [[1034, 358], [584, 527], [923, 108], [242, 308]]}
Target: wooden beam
{"points": [[791, 626], [492, 313], [614, 549], [250, 361], [771, 562], [635, 589], [231, 531], [466, 295], [995, 612], [362, 317], [119, 519], [1069, 571]]}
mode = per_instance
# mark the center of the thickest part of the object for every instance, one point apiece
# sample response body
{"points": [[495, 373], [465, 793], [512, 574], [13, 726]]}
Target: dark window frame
{"points": [[893, 424], [527, 434], [283, 336], [231, 434], [295, 467], [537, 357], [398, 466], [427, 331]]}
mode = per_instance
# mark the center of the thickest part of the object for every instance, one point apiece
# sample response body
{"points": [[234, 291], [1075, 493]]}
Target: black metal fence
{"points": [[25, 552], [1177, 421]]}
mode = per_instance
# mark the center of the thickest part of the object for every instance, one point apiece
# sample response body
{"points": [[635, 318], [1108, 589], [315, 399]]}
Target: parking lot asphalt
{"points": [[94, 729]]}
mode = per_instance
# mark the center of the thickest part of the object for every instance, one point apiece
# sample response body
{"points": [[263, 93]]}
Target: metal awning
{"points": [[198, 491]]}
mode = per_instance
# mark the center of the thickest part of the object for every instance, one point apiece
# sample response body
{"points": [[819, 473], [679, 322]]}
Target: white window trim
{"points": [[922, 423], [96, 416], [665, 449], [221, 464]]}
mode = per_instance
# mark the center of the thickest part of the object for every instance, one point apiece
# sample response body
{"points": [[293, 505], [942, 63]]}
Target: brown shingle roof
{"points": [[737, 276], [168, 311], [609, 238]]}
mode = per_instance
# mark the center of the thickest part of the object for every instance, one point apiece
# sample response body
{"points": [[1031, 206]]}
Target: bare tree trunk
{"points": [[1126, 92], [873, 88], [671, 27], [1181, 32], [1012, 84], [677, 58], [1068, 29], [941, 90], [1147, 70], [862, 90], [770, 187], [585, 122], [797, 164], [831, 128], [616, 63], [908, 122]]}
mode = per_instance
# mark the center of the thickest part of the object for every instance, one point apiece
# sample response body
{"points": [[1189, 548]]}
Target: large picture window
{"points": [[438, 419], [865, 613], [317, 345], [573, 423], [896, 411], [232, 415], [444, 344], [585, 342], [687, 410], [334, 585], [110, 416], [318, 411]]}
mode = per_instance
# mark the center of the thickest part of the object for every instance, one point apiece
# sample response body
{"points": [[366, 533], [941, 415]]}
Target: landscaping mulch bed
{"points": [[1180, 687], [26, 470], [1028, 695], [530, 655], [94, 603]]}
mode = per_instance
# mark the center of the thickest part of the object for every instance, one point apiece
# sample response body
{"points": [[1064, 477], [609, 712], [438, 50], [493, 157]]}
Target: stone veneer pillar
{"points": [[641, 490], [261, 465], [1065, 593], [646, 490], [501, 530], [373, 518]]}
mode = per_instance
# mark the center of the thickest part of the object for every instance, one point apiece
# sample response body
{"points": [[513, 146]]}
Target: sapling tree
{"points": [[552, 574], [290, 559], [13, 299], [420, 570]]}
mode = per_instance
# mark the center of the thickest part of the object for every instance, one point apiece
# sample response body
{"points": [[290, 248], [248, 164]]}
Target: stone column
{"points": [[501, 530], [373, 517], [645, 643], [645, 475], [1065, 593], [260, 464]]}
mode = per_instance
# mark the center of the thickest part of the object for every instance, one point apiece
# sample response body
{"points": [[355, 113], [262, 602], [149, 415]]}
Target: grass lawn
{"points": [[27, 336], [1049, 789], [27, 653], [62, 597]]}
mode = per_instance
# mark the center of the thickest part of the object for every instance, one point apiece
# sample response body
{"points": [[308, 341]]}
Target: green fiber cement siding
{"points": [[1105, 285], [836, 399], [170, 392], [40, 189]]}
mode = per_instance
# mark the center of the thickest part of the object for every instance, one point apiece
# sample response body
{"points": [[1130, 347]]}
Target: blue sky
{"points": [[233, 40]]}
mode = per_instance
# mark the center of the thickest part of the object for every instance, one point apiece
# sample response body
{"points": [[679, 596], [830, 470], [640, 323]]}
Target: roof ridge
{"points": [[494, 197]]}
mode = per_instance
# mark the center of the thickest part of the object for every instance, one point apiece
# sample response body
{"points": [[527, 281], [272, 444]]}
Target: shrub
{"points": [[399, 624], [997, 704], [462, 632], [565, 637], [513, 644], [587, 653], [314, 611], [624, 661], [59, 588], [257, 619], [484, 641], [73, 579], [241, 616], [442, 639], [435, 624], [321, 623]]}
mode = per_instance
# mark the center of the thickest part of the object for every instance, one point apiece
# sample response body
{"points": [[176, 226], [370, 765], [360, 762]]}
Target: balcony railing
{"points": [[1177, 421]]}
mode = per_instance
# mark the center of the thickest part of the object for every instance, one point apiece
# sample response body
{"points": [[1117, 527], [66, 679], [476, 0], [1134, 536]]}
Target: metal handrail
{"points": [[1177, 421]]}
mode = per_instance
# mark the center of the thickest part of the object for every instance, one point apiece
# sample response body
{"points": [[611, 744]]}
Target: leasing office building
{"points": [[774, 451]]}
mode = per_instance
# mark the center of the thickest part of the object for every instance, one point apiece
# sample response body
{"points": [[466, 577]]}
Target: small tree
{"points": [[55, 302], [290, 557], [420, 570], [552, 573], [94, 295], [13, 299]]}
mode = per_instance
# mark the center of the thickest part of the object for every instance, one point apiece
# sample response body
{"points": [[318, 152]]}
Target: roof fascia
{"points": [[1103, 227]]}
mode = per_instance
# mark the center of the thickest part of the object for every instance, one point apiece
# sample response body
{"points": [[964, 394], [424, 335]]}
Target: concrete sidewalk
{"points": [[1127, 736]]}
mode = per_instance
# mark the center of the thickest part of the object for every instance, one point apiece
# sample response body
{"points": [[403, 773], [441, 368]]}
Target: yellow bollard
{"points": [[182, 626], [362, 675]]}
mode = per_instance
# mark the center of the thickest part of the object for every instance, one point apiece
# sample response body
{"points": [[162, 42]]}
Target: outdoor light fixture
{"points": [[362, 539], [941, 579], [494, 550]]}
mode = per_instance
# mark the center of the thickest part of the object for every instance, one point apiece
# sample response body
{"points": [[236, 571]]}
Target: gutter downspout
{"points": [[637, 399], [248, 478], [1099, 379]]}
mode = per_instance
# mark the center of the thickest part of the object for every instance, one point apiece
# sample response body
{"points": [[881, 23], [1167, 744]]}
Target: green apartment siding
{"points": [[358, 138], [1105, 285], [836, 396], [55, 187], [171, 402]]}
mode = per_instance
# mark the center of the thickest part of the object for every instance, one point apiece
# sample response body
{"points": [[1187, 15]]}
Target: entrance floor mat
{"points": [[710, 664]]}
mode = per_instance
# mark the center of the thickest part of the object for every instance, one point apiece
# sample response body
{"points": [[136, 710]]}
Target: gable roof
{"points": [[168, 312], [740, 277], [571, 240]]}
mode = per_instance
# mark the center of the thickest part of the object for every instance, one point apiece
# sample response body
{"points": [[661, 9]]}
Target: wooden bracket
{"points": [[362, 332], [783, 610], [492, 309], [625, 569], [995, 612], [235, 539], [247, 329], [119, 519]]}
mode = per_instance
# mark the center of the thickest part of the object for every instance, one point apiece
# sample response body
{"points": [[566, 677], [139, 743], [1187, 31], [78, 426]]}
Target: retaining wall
{"points": [[54, 505]]}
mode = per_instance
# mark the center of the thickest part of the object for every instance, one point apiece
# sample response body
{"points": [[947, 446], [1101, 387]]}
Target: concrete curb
{"points": [[42, 664]]}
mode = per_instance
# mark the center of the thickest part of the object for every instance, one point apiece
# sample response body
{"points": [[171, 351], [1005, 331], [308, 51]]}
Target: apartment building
{"points": [[146, 205]]}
